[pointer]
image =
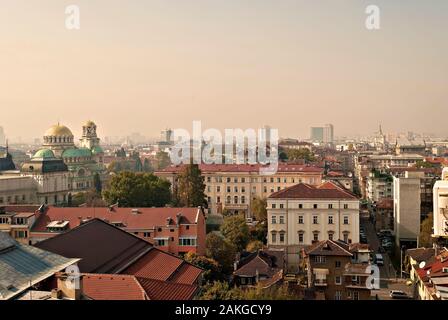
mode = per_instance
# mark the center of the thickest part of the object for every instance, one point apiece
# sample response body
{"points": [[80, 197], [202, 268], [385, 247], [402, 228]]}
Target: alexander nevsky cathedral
{"points": [[56, 171]]}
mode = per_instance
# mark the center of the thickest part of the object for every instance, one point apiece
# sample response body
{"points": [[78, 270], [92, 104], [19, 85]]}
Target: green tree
{"points": [[97, 183], [236, 231], [220, 291], [260, 232], [162, 160], [300, 154], [130, 189], [258, 208], [426, 232], [212, 268], [254, 246], [190, 187], [220, 250]]}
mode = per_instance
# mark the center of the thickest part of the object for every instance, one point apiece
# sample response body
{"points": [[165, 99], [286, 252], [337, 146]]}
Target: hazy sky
{"points": [[143, 65]]}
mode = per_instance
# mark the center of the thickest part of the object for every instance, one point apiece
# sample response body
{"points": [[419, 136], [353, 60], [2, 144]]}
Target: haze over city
{"points": [[290, 64]]}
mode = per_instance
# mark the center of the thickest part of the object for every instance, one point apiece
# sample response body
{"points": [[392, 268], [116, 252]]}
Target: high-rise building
{"points": [[323, 134], [317, 134], [407, 209], [440, 195], [2, 137]]}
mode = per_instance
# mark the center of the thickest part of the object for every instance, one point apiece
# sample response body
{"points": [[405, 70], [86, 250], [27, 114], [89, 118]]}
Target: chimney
{"points": [[69, 286]]}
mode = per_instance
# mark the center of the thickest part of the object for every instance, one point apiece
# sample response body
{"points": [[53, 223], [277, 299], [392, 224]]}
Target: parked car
{"points": [[398, 294]]}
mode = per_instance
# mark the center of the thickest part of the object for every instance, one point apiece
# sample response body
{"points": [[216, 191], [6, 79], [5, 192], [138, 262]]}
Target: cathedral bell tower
{"points": [[89, 138]]}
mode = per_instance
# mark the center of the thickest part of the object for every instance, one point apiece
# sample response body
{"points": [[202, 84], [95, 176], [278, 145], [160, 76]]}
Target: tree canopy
{"points": [[236, 231], [190, 187], [221, 250], [130, 189]]}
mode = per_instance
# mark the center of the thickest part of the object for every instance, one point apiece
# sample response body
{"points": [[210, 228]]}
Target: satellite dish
{"points": [[422, 264]]}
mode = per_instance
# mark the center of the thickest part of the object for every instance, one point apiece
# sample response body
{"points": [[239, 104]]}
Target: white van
{"points": [[379, 259]]}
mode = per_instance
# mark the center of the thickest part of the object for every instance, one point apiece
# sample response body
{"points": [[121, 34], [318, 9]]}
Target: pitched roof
{"points": [[212, 168], [328, 248], [421, 254], [143, 219], [107, 249], [22, 266], [261, 263], [162, 290], [327, 190], [112, 287]]}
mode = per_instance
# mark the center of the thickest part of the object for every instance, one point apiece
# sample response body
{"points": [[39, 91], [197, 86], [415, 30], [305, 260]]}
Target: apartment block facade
{"points": [[303, 214], [232, 187]]}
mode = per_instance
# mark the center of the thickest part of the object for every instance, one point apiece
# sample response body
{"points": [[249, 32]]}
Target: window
{"points": [[278, 180], [337, 264], [345, 206], [300, 219], [228, 180], [274, 237], [315, 220], [338, 280], [300, 237], [218, 199], [355, 295], [228, 199], [330, 235], [209, 179], [243, 189], [282, 219], [346, 237], [272, 180], [330, 219], [281, 205], [235, 199], [315, 236], [146, 234], [161, 242], [243, 199], [265, 189], [228, 189], [330, 206], [345, 219], [320, 259], [218, 189], [191, 242], [274, 219], [273, 206], [300, 206], [338, 295], [236, 189], [314, 206], [282, 237], [21, 234], [235, 180]]}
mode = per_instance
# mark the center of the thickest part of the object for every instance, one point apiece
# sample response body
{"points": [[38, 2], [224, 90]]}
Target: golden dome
{"points": [[58, 131]]}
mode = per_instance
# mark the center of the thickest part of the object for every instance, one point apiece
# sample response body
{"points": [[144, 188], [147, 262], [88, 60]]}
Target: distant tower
{"points": [[89, 138], [2, 136]]}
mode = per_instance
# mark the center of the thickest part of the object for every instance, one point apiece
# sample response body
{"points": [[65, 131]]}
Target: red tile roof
{"points": [[211, 168], [327, 190], [186, 274], [112, 287], [161, 290], [145, 218]]}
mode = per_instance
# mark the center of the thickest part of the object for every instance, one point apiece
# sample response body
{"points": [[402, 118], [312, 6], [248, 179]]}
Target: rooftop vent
{"points": [[135, 211]]}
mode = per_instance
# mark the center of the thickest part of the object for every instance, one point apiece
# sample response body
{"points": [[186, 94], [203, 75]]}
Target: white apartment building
{"points": [[232, 187], [440, 194], [379, 186], [303, 214], [407, 208]]}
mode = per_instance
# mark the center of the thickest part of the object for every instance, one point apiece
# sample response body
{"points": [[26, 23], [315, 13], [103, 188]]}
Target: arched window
{"points": [[228, 199], [235, 199], [243, 199]]}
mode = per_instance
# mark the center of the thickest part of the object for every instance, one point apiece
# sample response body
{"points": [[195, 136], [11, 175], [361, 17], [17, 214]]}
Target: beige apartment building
{"points": [[232, 187], [304, 214]]}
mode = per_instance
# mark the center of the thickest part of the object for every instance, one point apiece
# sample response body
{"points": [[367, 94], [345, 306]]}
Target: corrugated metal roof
{"points": [[22, 266]]}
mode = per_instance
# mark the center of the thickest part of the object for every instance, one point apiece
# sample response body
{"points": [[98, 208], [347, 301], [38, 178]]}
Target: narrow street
{"points": [[388, 274]]}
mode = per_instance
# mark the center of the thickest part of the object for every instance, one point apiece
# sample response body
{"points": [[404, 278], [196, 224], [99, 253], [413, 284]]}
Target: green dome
{"points": [[97, 150], [77, 153], [44, 154]]}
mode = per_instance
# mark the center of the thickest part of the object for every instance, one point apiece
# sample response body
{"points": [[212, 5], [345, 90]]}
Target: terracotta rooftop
{"points": [[131, 218], [327, 190], [107, 249]]}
